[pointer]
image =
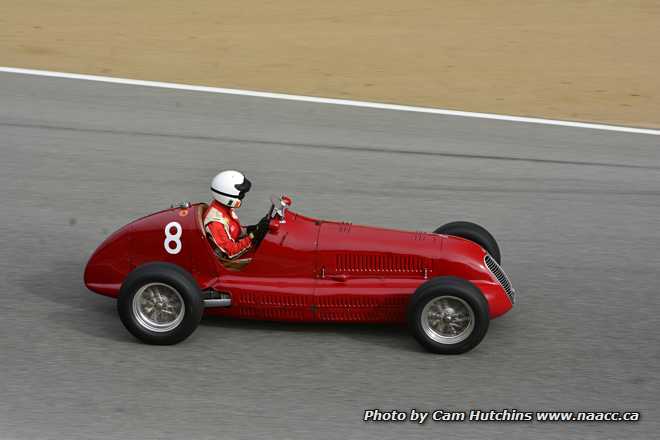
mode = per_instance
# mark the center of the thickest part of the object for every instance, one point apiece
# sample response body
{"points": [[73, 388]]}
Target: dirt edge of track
{"points": [[590, 61]]}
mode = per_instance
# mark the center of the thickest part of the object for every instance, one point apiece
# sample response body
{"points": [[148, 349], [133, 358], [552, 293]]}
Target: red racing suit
{"points": [[222, 225]]}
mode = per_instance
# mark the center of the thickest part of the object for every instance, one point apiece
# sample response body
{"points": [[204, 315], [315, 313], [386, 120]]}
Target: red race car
{"points": [[165, 274]]}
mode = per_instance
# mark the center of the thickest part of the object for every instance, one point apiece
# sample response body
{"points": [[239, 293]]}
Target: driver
{"points": [[220, 220]]}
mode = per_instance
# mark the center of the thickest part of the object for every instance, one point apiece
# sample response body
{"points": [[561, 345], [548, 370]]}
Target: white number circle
{"points": [[172, 242]]}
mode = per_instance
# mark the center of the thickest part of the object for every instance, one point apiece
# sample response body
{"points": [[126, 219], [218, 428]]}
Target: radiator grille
{"points": [[497, 271]]}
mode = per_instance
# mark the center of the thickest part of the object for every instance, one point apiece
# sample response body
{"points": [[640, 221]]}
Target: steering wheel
{"points": [[278, 208]]}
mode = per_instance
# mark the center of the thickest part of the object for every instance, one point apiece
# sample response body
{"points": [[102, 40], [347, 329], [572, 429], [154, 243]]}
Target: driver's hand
{"points": [[264, 223], [259, 231], [252, 229]]}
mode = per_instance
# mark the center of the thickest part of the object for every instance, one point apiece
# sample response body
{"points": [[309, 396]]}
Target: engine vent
{"points": [[262, 299], [497, 271], [379, 263]]}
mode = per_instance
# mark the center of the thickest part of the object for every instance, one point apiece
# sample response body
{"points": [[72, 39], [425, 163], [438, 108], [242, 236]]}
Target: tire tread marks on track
{"points": [[327, 146]]}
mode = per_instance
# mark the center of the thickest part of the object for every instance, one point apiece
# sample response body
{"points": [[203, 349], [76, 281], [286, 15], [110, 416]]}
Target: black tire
{"points": [[459, 292], [160, 276], [473, 232]]}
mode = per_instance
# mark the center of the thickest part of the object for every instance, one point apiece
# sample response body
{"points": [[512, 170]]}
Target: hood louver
{"points": [[364, 263]]}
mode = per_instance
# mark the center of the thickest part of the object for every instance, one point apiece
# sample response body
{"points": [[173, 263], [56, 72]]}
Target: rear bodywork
{"points": [[304, 270]]}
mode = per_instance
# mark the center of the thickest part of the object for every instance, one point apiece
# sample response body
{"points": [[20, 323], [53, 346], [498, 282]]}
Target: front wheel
{"points": [[475, 233], [160, 303], [448, 315]]}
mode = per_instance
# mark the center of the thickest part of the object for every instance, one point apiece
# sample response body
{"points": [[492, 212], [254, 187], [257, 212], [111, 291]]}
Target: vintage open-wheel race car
{"points": [[166, 274]]}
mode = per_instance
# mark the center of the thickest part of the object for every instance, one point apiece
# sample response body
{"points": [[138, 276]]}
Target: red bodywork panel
{"points": [[304, 269]]}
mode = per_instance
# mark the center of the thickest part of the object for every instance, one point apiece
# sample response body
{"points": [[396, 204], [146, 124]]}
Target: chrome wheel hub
{"points": [[447, 319], [158, 307]]}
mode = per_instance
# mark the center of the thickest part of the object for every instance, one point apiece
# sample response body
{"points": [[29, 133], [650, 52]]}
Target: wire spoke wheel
{"points": [[158, 307]]}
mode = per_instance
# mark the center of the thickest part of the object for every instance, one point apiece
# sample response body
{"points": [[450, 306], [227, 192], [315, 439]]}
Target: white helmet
{"points": [[229, 188]]}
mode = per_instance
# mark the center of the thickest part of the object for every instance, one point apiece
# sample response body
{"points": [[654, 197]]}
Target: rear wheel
{"points": [[475, 233], [160, 303], [448, 315]]}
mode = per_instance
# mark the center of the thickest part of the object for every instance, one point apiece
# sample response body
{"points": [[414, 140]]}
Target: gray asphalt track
{"points": [[576, 211]]}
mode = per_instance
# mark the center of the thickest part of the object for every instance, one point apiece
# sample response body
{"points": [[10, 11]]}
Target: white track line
{"points": [[347, 102]]}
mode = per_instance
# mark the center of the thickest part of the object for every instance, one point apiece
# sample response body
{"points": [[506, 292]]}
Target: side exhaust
{"points": [[216, 299]]}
